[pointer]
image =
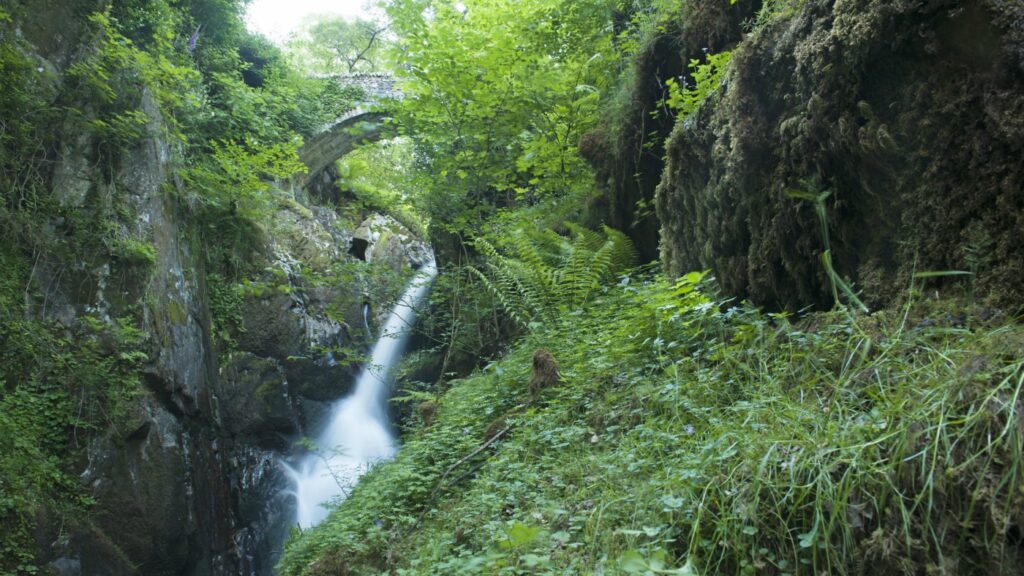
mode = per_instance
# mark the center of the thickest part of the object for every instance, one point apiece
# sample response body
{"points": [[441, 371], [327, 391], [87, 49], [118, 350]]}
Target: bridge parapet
{"points": [[377, 87], [378, 90]]}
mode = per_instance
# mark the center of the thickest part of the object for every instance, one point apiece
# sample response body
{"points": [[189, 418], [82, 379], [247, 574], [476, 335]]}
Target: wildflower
{"points": [[193, 39]]}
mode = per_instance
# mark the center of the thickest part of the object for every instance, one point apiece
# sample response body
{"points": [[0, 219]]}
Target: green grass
{"points": [[690, 440]]}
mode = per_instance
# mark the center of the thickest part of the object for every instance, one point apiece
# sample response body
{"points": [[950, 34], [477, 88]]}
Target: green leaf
{"points": [[531, 560], [520, 535], [672, 502], [633, 562]]}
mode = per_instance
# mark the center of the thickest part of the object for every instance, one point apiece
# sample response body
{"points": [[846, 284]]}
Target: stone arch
{"points": [[369, 122]]}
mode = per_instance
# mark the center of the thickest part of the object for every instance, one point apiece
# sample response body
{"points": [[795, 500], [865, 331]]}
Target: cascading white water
{"points": [[358, 434], [366, 318]]}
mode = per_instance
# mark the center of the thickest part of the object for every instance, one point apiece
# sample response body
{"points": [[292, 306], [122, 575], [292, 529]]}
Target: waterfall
{"points": [[358, 434], [366, 318]]}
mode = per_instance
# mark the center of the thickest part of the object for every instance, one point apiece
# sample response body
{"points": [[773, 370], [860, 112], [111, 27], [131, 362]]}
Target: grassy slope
{"points": [[688, 440]]}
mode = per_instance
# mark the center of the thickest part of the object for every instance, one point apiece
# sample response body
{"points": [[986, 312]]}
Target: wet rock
{"points": [[291, 328], [262, 508], [309, 234], [383, 239], [160, 481], [66, 566], [141, 488], [252, 400], [177, 316], [272, 325]]}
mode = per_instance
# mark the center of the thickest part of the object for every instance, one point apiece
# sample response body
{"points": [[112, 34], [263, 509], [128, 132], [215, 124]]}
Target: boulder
{"points": [[381, 238], [907, 114]]}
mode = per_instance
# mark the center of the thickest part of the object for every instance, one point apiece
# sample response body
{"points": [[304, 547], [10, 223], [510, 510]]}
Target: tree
{"points": [[329, 45], [497, 95]]}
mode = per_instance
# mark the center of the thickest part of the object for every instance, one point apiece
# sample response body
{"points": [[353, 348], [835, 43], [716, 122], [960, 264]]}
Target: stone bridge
{"points": [[367, 122]]}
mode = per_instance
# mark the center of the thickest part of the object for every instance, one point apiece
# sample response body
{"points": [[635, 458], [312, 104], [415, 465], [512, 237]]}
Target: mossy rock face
{"points": [[272, 325], [253, 400], [53, 27], [141, 516], [322, 379], [310, 234], [909, 115], [291, 330], [388, 242], [627, 153]]}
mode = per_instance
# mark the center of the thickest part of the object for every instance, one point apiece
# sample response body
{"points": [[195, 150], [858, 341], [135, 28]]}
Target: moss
{"points": [[627, 152], [292, 205], [53, 26], [913, 129], [253, 398], [269, 389], [133, 251], [627, 156], [176, 312]]}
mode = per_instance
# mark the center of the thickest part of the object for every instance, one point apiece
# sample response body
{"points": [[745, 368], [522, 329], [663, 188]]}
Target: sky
{"points": [[276, 19]]}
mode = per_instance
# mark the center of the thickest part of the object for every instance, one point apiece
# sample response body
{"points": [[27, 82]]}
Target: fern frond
{"points": [[577, 279], [500, 295], [553, 245], [532, 254], [534, 288], [486, 248], [624, 253], [590, 239], [536, 273], [510, 282], [604, 261]]}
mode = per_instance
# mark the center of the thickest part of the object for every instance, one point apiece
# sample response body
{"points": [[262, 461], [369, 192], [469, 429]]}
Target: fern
{"points": [[623, 252], [551, 244], [589, 239], [537, 275], [508, 304]]}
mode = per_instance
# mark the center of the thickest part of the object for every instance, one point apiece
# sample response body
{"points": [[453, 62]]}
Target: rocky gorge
{"points": [[190, 481], [817, 370]]}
